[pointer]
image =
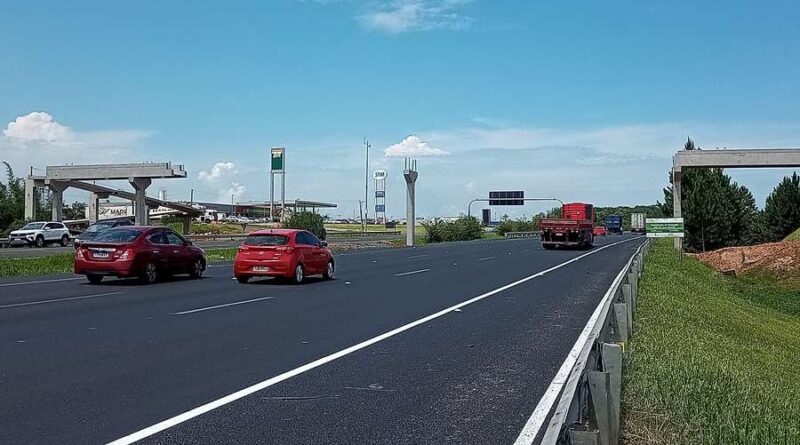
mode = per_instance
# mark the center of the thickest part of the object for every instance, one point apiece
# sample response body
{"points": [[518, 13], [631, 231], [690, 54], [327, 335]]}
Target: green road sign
{"points": [[278, 156], [664, 227]]}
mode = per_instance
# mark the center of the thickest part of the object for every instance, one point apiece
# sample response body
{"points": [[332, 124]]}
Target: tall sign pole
{"points": [[366, 186], [410, 174], [277, 166], [380, 195]]}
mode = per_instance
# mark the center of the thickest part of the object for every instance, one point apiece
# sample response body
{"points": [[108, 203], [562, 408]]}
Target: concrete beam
{"points": [[114, 171], [151, 202], [738, 158]]}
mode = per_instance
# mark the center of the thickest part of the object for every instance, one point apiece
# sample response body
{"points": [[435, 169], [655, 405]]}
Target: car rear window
{"points": [[265, 240], [117, 236]]}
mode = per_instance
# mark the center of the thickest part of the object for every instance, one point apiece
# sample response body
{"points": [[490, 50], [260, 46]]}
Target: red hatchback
{"points": [[143, 252], [285, 253]]}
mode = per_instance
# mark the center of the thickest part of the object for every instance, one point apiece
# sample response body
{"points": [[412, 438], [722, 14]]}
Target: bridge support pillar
{"points": [[94, 206], [30, 198], [140, 210], [676, 202], [57, 188]]}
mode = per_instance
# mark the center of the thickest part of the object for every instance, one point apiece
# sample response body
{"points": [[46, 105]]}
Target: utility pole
{"points": [[191, 197], [366, 186]]}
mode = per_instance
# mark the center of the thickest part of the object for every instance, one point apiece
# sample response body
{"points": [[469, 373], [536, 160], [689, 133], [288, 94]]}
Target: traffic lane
{"points": [[102, 371], [472, 376]]}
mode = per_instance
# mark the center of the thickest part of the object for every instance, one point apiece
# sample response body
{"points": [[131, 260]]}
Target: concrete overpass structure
{"points": [[140, 176], [736, 158]]}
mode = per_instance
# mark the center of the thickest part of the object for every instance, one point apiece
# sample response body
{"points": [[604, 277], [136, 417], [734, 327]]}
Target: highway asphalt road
{"points": [[84, 363]]}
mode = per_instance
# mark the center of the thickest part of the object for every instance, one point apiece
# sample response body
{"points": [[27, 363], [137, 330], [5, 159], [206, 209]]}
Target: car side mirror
{"points": [[323, 244], [188, 243]]}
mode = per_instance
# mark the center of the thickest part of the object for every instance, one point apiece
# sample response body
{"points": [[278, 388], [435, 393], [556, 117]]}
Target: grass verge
{"points": [[712, 360], [62, 263]]}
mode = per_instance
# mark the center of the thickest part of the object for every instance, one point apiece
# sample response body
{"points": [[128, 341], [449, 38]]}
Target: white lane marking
{"points": [[485, 258], [417, 256], [208, 308], [545, 405], [23, 283], [411, 273], [56, 300], [210, 406]]}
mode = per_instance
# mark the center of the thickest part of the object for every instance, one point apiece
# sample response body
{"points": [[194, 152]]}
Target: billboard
{"points": [[278, 160], [664, 227]]}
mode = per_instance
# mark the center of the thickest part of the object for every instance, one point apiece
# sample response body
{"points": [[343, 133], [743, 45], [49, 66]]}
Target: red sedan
{"points": [[599, 231], [147, 253], [285, 253]]}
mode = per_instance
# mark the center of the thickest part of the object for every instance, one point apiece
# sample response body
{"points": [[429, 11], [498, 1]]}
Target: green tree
{"points": [[76, 210], [307, 221], [782, 211]]}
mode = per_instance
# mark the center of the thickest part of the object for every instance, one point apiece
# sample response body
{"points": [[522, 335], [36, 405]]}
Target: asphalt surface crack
{"points": [[302, 398]]}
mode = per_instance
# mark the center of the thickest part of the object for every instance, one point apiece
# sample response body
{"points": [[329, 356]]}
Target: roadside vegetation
{"points": [[713, 359], [465, 228]]}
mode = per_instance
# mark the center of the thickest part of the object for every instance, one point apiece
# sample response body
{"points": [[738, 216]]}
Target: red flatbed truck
{"points": [[573, 229]]}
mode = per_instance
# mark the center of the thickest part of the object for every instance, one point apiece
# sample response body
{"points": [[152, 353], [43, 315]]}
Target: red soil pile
{"points": [[782, 258]]}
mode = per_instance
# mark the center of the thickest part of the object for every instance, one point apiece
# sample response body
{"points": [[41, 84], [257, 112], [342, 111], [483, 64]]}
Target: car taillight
{"points": [[80, 253], [242, 248], [125, 255]]}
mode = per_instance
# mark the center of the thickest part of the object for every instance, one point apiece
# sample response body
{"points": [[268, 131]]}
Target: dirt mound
{"points": [[782, 258]]}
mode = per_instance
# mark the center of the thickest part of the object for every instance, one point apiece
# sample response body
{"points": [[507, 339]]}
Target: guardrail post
{"points": [[627, 295], [600, 389], [612, 363], [621, 314], [632, 279], [584, 437]]}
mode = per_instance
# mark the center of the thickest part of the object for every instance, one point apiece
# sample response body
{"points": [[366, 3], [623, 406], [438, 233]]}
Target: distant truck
{"points": [[637, 222], [614, 224], [573, 229]]}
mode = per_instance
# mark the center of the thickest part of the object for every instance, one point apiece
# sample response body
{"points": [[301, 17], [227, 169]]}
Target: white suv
{"points": [[40, 233]]}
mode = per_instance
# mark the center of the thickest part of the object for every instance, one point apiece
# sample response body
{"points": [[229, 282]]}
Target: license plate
{"points": [[260, 269], [100, 254]]}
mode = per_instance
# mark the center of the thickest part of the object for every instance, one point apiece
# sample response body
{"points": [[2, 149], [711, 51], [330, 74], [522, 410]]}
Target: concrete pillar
{"points": [[410, 174], [94, 206], [140, 210], [57, 188], [676, 201], [30, 199], [187, 224]]}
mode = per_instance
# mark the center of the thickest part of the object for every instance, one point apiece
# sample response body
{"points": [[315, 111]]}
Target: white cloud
{"points": [[37, 126], [38, 139], [412, 146], [400, 16], [222, 177], [235, 190], [218, 171]]}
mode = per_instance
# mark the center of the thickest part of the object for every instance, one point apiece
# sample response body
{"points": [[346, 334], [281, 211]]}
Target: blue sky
{"points": [[584, 100]]}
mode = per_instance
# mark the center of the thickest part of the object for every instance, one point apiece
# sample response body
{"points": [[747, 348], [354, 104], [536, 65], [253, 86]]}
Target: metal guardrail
{"points": [[511, 235], [588, 410]]}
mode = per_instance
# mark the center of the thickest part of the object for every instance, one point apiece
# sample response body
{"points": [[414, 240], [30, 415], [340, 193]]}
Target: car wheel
{"points": [[40, 241], [64, 241], [150, 274], [299, 274], [197, 269], [94, 279], [243, 280], [330, 268]]}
